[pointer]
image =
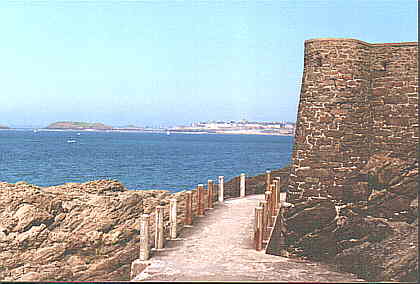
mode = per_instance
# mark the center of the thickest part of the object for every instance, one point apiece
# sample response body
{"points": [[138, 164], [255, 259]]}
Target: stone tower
{"points": [[356, 99]]}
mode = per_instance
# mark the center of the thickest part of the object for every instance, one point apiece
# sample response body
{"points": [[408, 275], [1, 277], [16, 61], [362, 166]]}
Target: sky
{"points": [[166, 63]]}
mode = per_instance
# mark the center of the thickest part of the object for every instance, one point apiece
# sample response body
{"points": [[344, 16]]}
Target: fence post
{"points": [[144, 237], [278, 190], [273, 188], [159, 227], [263, 205], [267, 179], [221, 180], [188, 209], [200, 200], [172, 218], [283, 196], [210, 193], [258, 228], [269, 199], [242, 185]]}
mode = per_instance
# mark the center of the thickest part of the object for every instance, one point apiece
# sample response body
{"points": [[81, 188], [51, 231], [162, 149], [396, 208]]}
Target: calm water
{"points": [[139, 160]]}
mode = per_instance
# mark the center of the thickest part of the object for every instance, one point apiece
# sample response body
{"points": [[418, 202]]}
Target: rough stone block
{"points": [[137, 266]]}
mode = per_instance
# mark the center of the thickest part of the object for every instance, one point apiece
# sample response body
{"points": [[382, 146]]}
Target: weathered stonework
{"points": [[357, 99]]}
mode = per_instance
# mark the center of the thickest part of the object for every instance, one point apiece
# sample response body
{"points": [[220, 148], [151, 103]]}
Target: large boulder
{"points": [[393, 259], [372, 231], [311, 214], [28, 216], [70, 232]]}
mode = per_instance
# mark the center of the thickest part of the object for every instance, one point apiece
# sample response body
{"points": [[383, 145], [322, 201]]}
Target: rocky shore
{"points": [[90, 231], [80, 232], [87, 231], [373, 234], [74, 231]]}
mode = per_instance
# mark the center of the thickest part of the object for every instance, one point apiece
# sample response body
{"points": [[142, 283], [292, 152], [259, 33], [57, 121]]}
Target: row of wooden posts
{"points": [[267, 210], [201, 206]]}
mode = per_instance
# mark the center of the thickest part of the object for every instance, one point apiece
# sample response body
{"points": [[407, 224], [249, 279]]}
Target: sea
{"points": [[141, 161]]}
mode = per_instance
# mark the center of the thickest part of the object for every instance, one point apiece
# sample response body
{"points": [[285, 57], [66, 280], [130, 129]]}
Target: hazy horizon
{"points": [[129, 124], [167, 63]]}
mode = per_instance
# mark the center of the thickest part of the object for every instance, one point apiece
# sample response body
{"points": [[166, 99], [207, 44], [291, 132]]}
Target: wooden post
{"points": [[144, 237], [172, 218], [283, 196], [242, 185], [267, 180], [263, 205], [200, 200], [278, 190], [188, 209], [221, 181], [194, 200], [258, 228], [210, 193], [269, 200], [274, 196], [159, 228]]}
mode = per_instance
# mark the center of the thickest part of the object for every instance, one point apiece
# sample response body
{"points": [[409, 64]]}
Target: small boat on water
{"points": [[168, 132], [78, 134], [71, 141]]}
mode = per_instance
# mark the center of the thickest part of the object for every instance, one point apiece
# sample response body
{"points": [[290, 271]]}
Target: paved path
{"points": [[219, 247]]}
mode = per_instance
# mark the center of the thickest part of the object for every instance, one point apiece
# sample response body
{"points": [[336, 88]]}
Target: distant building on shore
{"points": [[239, 127]]}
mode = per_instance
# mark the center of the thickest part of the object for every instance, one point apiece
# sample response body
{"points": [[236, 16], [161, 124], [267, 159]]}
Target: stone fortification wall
{"points": [[356, 99], [394, 99]]}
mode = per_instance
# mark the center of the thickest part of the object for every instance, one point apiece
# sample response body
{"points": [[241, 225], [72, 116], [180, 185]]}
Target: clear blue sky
{"points": [[172, 62]]}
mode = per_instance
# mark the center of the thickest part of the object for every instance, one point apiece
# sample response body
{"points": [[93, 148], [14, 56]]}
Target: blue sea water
{"points": [[139, 160]]}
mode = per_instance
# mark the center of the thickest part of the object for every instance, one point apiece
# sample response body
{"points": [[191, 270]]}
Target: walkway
{"points": [[219, 247]]}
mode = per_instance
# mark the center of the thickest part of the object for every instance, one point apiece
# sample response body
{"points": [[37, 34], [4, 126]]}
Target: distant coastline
{"points": [[162, 131], [242, 127]]}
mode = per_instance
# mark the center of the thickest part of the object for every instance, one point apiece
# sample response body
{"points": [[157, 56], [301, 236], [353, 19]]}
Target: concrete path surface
{"points": [[219, 247]]}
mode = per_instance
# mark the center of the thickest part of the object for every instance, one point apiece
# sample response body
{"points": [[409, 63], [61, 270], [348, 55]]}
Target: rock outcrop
{"points": [[375, 238], [73, 231]]}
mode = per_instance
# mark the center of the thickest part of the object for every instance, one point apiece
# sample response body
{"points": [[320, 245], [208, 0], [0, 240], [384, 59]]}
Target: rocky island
{"points": [[69, 125], [4, 127]]}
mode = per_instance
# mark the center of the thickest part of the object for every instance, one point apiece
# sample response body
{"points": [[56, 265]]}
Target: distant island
{"points": [[4, 127], [71, 125], [209, 127]]}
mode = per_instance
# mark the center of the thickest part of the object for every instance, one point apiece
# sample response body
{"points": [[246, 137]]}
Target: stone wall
{"points": [[394, 99], [356, 99]]}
